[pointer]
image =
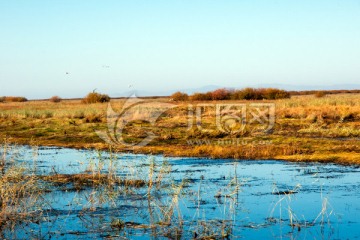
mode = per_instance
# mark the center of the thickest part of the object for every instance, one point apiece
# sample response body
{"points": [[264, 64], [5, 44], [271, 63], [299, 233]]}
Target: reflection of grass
{"points": [[82, 179], [306, 129]]}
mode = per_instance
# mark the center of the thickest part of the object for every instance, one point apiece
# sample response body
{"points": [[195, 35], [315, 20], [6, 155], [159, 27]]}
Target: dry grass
{"points": [[323, 129], [20, 193]]}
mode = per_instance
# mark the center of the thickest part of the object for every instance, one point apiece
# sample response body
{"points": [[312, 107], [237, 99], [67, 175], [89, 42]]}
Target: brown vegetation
{"points": [[12, 99], [221, 94], [95, 97], [55, 99], [306, 128], [179, 96], [20, 193], [201, 96], [242, 94], [320, 94], [312, 92]]}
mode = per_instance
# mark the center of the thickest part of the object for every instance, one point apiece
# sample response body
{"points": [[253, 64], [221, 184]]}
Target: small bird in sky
{"points": [[67, 73]]}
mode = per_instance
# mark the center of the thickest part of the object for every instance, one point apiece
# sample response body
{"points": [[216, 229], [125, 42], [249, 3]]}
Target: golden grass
{"points": [[20, 193], [307, 129]]}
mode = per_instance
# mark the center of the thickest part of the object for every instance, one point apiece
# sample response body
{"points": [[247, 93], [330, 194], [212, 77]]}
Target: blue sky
{"points": [[158, 46]]}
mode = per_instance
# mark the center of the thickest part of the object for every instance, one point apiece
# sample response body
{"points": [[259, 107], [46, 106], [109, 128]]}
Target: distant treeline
{"points": [[252, 94], [311, 92], [231, 94], [13, 99]]}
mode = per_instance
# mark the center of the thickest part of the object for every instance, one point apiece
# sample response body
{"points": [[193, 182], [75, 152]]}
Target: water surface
{"points": [[234, 198]]}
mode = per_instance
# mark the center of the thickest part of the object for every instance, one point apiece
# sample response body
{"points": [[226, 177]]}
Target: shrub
{"points": [[55, 99], [2, 99], [320, 94], [274, 93], [311, 92], [201, 96], [247, 94], [243, 94], [15, 99], [221, 94], [281, 94], [95, 97], [179, 96]]}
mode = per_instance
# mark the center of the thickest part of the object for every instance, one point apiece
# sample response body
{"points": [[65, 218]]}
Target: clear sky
{"points": [[161, 45]]}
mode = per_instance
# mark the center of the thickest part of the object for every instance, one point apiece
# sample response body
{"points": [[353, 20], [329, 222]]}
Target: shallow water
{"points": [[241, 198]]}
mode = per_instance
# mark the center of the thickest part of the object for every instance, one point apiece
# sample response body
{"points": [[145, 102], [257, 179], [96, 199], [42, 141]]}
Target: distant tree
{"points": [[242, 94], [247, 94], [14, 99], [220, 94], [95, 97], [55, 99], [274, 93], [179, 96], [201, 96], [320, 94]]}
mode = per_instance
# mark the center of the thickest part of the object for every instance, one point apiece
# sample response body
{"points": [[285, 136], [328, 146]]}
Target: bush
{"points": [[273, 93], [281, 94], [95, 97], [247, 94], [326, 92], [14, 99], [320, 94], [243, 94], [179, 96], [201, 96], [55, 99], [2, 99], [220, 94]]}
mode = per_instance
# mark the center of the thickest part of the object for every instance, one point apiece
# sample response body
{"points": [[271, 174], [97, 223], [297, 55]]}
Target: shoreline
{"points": [[336, 158]]}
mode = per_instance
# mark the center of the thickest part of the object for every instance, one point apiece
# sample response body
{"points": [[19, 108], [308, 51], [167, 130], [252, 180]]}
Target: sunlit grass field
{"points": [[307, 128]]}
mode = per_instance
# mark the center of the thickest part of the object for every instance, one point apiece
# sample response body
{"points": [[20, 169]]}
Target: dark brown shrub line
{"points": [[12, 99], [230, 94], [325, 92]]}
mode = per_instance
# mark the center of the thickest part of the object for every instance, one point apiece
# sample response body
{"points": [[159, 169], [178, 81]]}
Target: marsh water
{"points": [[194, 198]]}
